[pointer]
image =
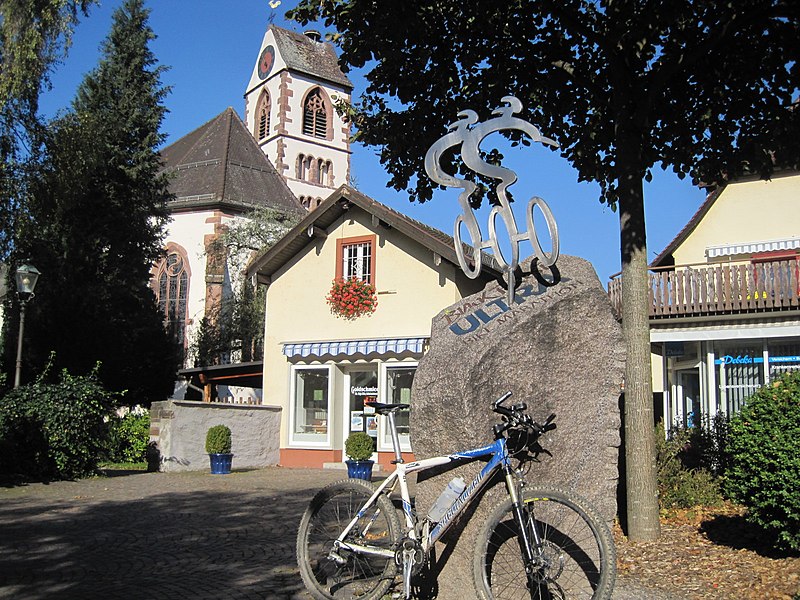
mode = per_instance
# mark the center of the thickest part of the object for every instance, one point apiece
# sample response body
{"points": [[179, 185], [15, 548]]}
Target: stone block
{"points": [[559, 349]]}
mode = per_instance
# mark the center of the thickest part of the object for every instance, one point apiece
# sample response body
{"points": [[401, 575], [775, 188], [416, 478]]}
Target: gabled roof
{"points": [[336, 205], [220, 164], [302, 54], [664, 259]]}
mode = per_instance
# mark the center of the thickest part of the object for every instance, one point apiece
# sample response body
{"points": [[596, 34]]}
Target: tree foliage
{"points": [[34, 35], [95, 223], [236, 327], [704, 87]]}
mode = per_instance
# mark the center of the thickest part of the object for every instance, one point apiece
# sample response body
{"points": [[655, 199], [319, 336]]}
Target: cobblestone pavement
{"points": [[170, 536]]}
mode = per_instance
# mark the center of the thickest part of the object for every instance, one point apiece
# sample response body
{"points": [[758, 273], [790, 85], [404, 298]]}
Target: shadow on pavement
{"points": [[226, 541]]}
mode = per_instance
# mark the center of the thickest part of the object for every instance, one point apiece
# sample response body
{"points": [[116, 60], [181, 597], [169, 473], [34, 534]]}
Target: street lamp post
{"points": [[27, 276]]}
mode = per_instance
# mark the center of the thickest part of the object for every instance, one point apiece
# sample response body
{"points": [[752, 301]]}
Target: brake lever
{"points": [[548, 424]]}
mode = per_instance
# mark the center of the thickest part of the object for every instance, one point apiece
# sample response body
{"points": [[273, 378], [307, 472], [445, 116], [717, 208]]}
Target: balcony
{"points": [[723, 289]]}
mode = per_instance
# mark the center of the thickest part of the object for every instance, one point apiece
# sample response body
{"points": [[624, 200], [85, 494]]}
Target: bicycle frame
{"points": [[498, 458], [526, 523]]}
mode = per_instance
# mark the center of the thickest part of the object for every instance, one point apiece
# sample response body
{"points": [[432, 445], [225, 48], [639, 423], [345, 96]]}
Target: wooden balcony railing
{"points": [[719, 289]]}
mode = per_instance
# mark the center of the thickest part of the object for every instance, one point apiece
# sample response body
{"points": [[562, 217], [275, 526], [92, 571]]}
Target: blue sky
{"points": [[211, 46]]}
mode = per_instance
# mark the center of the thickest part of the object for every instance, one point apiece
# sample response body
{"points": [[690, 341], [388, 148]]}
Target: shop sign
{"points": [[674, 349], [728, 359], [363, 390], [750, 360]]}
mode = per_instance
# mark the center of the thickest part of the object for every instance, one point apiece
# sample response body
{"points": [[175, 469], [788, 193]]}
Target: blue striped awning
{"points": [[351, 347]]}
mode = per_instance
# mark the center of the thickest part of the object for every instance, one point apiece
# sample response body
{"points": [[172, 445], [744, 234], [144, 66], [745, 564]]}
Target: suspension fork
{"points": [[529, 539]]}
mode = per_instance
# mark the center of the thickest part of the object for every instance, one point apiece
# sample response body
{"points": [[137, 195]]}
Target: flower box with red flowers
{"points": [[352, 298]]}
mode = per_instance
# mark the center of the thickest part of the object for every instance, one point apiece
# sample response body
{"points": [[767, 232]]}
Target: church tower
{"points": [[290, 110]]}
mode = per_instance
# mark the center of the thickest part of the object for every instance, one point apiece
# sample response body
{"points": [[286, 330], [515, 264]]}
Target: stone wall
{"points": [[178, 428]]}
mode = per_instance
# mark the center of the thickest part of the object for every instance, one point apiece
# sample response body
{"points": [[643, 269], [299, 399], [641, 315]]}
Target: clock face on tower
{"points": [[265, 62]]}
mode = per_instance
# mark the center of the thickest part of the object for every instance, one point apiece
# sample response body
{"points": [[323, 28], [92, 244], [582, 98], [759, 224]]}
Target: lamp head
{"points": [[27, 276]]}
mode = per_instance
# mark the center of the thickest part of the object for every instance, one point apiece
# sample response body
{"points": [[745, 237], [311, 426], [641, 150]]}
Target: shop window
{"points": [[310, 407], [740, 372], [355, 257], [783, 357], [397, 382], [363, 388]]}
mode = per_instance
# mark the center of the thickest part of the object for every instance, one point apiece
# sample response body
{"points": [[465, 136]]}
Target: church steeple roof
{"points": [[305, 55], [220, 164]]}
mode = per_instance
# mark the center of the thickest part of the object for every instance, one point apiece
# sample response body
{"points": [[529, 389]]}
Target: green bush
{"points": [[218, 440], [682, 481], [128, 437], [764, 471], [54, 430], [359, 446]]}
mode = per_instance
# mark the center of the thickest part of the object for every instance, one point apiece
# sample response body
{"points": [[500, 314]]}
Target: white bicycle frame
{"points": [[499, 457]]}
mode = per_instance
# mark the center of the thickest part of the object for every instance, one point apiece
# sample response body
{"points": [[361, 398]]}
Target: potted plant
{"points": [[218, 446], [358, 447]]}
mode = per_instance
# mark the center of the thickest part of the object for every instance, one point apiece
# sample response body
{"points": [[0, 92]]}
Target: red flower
{"points": [[351, 298]]}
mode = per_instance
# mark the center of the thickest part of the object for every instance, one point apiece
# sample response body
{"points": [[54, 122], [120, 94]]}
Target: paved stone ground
{"points": [[164, 536]]}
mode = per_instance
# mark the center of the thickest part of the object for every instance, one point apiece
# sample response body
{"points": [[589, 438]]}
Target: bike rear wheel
{"points": [[355, 575], [578, 560]]}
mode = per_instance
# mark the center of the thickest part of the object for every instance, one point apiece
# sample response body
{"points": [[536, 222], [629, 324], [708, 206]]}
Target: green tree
{"points": [[34, 35], [237, 325], [95, 226], [704, 87]]}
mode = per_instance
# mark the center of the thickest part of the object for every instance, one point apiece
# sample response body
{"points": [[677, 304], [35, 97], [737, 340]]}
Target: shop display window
{"points": [[740, 372], [311, 409], [784, 356], [397, 382]]}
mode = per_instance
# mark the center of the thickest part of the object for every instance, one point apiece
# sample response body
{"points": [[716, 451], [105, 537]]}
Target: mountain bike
{"points": [[541, 542]]}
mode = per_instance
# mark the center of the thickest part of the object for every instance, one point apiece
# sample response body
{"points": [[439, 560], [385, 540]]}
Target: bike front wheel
{"points": [[576, 559], [347, 573]]}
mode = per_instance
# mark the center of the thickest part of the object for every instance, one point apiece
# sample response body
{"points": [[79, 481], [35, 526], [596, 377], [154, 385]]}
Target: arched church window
{"points": [[315, 115], [262, 116], [326, 173], [171, 284]]}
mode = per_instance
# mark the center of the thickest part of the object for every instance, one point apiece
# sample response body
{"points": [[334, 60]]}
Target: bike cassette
{"points": [[411, 549]]}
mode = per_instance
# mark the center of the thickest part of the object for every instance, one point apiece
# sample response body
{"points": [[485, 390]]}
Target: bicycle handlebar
{"points": [[515, 416]]}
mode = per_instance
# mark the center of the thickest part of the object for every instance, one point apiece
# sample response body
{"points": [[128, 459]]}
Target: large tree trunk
{"points": [[639, 440]]}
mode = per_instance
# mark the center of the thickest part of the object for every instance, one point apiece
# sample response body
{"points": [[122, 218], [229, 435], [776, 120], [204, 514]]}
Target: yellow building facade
{"points": [[320, 368]]}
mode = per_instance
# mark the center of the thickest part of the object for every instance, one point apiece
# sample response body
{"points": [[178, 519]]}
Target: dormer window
{"points": [[315, 115]]}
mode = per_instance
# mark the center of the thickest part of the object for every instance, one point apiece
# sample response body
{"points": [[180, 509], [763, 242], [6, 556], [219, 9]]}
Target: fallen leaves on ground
{"points": [[709, 553]]}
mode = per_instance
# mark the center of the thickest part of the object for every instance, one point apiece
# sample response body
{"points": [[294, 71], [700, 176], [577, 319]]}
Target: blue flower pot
{"points": [[220, 463], [360, 469]]}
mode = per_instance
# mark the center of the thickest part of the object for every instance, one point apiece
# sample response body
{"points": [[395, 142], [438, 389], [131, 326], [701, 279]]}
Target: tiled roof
{"points": [[220, 163], [305, 55], [662, 259], [337, 204]]}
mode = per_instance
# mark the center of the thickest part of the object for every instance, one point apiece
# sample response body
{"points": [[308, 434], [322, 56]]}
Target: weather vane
{"points": [[467, 133]]}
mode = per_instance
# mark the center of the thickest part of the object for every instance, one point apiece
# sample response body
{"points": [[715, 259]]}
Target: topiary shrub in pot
{"points": [[218, 446], [359, 447]]}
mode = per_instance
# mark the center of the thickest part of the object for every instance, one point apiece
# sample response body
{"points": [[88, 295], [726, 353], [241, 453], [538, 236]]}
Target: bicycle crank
{"points": [[409, 555]]}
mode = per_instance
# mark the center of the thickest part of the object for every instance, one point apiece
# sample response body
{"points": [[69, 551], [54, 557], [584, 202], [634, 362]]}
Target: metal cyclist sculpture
{"points": [[467, 133]]}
